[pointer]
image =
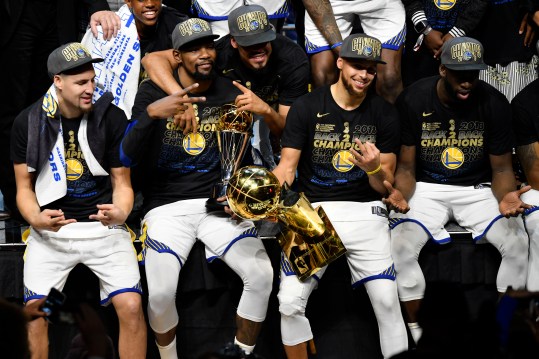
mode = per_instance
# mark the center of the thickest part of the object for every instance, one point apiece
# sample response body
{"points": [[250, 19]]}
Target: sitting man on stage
{"points": [[342, 140], [75, 194], [455, 164], [181, 169]]}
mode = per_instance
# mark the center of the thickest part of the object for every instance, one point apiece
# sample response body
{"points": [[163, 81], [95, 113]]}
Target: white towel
{"points": [[119, 73], [51, 183]]}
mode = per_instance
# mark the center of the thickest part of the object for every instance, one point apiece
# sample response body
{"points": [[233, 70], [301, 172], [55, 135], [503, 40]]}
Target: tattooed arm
{"points": [[528, 155], [322, 14]]}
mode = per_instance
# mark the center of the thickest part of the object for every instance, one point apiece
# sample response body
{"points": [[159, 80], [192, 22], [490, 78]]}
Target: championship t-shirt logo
{"points": [[452, 158], [194, 143], [75, 169], [341, 161], [444, 4]]}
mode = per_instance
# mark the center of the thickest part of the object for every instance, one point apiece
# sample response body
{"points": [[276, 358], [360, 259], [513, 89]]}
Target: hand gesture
{"points": [[172, 105], [511, 205], [186, 118], [50, 220], [109, 21], [368, 159], [109, 215], [249, 101], [395, 200]]}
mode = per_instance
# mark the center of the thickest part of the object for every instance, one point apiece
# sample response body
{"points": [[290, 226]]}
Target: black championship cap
{"points": [[463, 53], [68, 57], [362, 47], [191, 30], [249, 25]]}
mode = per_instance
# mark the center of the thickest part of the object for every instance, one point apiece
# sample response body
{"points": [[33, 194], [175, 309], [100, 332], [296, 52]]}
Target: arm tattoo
{"points": [[322, 14]]}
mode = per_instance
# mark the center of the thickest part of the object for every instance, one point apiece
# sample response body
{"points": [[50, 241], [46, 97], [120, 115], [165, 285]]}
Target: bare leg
{"points": [[389, 80], [132, 342], [38, 338], [247, 330], [323, 69], [165, 339], [411, 308], [298, 351]]}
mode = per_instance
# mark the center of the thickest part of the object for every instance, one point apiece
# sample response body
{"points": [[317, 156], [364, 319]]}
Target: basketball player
{"points": [[181, 170], [75, 194], [456, 144], [342, 141], [526, 115], [327, 22], [270, 69]]}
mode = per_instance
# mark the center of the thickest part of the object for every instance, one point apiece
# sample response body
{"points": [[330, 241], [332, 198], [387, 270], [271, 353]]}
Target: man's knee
{"points": [[128, 305], [290, 305]]}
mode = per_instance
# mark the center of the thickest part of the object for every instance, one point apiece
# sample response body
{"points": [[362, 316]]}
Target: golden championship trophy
{"points": [[308, 239], [233, 134]]}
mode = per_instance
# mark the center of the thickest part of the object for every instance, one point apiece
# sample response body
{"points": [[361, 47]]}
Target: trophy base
{"points": [[307, 256]]}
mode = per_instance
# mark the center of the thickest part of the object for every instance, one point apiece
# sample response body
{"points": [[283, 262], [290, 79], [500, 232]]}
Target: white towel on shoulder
{"points": [[51, 183]]}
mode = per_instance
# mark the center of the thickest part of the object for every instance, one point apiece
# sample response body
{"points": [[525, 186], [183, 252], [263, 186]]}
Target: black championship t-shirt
{"points": [[324, 133], [526, 114], [453, 145], [282, 81], [84, 191], [177, 166]]}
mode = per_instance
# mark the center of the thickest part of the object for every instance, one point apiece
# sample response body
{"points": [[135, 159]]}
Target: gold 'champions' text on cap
{"points": [[466, 51], [366, 46], [193, 26], [74, 52], [252, 21]]}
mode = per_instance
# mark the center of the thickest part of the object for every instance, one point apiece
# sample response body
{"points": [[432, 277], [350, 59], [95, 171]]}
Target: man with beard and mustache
{"points": [[455, 165], [182, 167], [76, 195], [270, 69], [342, 141]]}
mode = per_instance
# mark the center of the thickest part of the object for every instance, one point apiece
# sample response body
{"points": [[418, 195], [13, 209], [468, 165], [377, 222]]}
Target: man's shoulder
{"points": [[287, 52], [528, 95]]}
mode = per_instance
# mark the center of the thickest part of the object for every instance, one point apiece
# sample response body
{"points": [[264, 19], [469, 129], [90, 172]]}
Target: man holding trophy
{"points": [[342, 140], [181, 168]]}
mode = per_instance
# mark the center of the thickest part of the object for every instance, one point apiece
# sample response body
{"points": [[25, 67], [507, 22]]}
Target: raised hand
{"points": [[173, 105], [249, 101], [109, 21], [395, 200], [368, 157], [511, 205]]}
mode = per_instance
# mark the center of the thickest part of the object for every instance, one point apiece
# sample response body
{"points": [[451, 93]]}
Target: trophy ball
{"points": [[253, 192]]}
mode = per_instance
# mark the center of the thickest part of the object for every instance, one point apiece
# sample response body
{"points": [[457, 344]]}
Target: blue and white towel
{"points": [[119, 73]]}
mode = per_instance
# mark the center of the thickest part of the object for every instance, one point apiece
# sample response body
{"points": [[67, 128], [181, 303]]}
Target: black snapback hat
{"points": [[249, 25], [191, 30], [68, 57], [463, 53], [363, 47]]}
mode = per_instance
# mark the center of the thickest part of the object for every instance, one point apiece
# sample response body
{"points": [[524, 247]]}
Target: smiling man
{"points": [[456, 144], [181, 170], [342, 142], [74, 192], [270, 70]]}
